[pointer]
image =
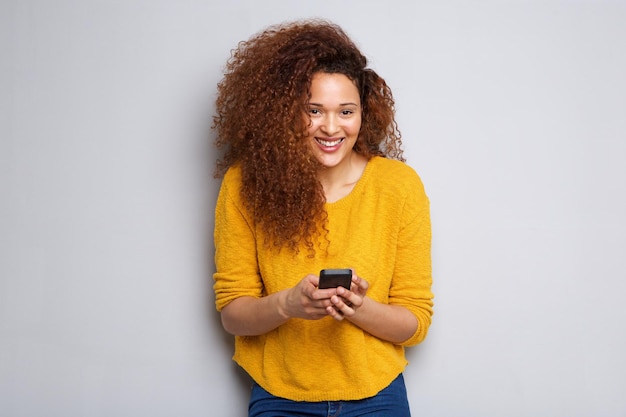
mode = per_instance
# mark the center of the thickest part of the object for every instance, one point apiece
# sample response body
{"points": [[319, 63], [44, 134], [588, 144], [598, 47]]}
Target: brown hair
{"points": [[260, 120]]}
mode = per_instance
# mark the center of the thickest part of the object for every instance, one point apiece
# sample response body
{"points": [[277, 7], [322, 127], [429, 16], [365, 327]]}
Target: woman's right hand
{"points": [[306, 301], [251, 316]]}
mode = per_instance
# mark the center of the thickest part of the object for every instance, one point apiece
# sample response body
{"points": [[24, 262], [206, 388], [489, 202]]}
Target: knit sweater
{"points": [[381, 230]]}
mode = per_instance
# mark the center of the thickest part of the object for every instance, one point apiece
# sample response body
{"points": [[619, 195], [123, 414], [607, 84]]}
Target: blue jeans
{"points": [[390, 402]]}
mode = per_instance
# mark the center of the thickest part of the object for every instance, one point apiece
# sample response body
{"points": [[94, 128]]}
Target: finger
{"points": [[350, 299], [323, 294], [334, 313], [342, 305], [361, 283]]}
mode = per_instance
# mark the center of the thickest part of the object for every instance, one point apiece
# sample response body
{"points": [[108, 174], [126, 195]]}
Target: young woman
{"points": [[314, 178]]}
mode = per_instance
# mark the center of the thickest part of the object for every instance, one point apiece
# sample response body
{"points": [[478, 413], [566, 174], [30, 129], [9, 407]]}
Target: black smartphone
{"points": [[332, 278]]}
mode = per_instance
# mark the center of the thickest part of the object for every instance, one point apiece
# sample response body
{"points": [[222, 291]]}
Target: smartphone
{"points": [[332, 278]]}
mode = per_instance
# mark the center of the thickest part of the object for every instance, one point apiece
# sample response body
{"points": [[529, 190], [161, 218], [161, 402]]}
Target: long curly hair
{"points": [[261, 121]]}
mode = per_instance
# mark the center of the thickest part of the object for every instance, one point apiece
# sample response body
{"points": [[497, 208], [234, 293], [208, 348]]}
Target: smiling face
{"points": [[335, 112]]}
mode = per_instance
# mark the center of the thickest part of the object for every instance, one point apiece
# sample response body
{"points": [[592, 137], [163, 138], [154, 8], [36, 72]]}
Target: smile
{"points": [[329, 143]]}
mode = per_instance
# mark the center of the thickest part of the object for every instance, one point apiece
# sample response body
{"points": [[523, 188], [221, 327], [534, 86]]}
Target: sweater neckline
{"points": [[346, 200]]}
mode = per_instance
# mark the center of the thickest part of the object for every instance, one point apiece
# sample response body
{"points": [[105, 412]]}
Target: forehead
{"points": [[333, 88]]}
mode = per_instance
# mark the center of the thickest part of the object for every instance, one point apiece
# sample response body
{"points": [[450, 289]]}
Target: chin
{"points": [[330, 165]]}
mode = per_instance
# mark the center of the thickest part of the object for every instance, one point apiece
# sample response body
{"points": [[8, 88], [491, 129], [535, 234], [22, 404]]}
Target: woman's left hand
{"points": [[346, 302]]}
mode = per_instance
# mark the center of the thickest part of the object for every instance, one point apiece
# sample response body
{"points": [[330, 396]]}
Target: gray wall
{"points": [[513, 112]]}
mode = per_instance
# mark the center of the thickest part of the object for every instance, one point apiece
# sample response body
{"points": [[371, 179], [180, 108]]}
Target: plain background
{"points": [[513, 112]]}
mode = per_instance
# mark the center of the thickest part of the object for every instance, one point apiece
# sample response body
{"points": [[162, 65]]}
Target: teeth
{"points": [[327, 143]]}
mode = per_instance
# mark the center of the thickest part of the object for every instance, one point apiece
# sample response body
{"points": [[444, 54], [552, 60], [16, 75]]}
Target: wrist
{"points": [[359, 312], [281, 304]]}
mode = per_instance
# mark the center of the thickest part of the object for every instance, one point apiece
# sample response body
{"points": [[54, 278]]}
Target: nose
{"points": [[330, 124]]}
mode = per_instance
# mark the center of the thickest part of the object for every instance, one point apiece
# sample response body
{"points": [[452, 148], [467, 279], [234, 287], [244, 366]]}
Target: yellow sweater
{"points": [[382, 231]]}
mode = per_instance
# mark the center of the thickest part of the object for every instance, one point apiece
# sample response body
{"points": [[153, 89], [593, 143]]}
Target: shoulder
{"points": [[230, 188], [395, 175], [232, 176], [400, 187], [232, 181]]}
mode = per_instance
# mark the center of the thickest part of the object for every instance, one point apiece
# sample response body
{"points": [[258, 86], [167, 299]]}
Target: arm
{"points": [[252, 316], [389, 322], [405, 315], [240, 297], [385, 321]]}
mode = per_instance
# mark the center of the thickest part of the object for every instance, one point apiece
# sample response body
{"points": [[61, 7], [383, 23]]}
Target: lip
{"points": [[329, 144]]}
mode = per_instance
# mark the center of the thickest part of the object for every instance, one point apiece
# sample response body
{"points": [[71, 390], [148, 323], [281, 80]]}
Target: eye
{"points": [[346, 112], [314, 112]]}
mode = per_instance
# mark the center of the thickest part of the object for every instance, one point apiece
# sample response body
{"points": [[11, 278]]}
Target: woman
{"points": [[314, 178]]}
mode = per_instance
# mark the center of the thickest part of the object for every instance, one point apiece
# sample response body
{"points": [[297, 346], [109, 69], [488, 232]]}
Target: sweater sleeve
{"points": [[237, 272], [412, 281]]}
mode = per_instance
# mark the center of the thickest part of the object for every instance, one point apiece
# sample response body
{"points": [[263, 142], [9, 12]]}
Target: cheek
{"points": [[312, 125], [312, 128], [355, 127]]}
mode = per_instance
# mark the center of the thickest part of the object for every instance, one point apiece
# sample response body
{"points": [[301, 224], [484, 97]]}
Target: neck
{"points": [[339, 180]]}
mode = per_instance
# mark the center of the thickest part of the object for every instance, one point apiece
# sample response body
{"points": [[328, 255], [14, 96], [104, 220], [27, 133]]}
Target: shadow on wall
{"points": [[225, 340]]}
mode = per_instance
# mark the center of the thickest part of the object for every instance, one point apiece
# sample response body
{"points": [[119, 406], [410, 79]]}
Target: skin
{"points": [[335, 114]]}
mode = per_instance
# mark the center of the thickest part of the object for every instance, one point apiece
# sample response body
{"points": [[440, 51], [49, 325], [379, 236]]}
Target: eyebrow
{"points": [[340, 104]]}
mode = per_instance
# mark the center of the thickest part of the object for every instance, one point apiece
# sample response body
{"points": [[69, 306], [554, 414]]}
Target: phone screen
{"points": [[332, 278]]}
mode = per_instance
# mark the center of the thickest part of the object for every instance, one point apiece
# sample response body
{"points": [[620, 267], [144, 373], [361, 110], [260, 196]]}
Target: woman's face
{"points": [[335, 112]]}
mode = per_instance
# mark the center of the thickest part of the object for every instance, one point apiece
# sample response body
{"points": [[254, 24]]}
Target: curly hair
{"points": [[261, 121]]}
